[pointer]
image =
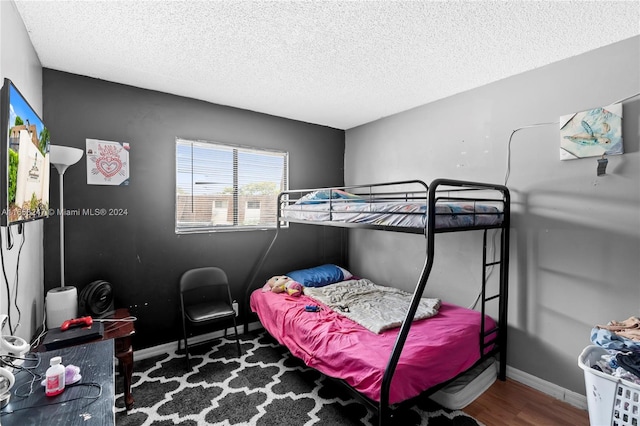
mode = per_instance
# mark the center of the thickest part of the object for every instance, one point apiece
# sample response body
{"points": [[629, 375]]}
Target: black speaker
{"points": [[96, 300]]}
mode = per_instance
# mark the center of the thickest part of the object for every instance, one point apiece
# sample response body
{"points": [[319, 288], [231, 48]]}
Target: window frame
{"points": [[234, 202]]}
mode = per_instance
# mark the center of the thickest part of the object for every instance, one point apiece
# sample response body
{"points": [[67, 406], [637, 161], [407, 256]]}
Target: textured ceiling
{"points": [[334, 63]]}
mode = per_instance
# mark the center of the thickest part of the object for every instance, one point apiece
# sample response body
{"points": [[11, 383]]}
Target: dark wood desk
{"points": [[121, 332], [90, 402]]}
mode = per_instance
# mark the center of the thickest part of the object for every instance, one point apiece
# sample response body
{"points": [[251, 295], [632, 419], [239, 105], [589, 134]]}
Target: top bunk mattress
{"points": [[401, 214], [437, 348]]}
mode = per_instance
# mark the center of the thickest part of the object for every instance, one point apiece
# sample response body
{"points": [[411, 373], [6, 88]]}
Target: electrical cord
{"points": [[508, 172], [36, 340], [31, 383], [20, 390], [65, 401], [34, 377], [9, 238], [130, 318], [6, 280], [35, 358], [115, 326], [16, 282]]}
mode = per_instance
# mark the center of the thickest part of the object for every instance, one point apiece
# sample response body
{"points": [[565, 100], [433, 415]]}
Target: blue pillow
{"points": [[323, 196], [320, 275]]}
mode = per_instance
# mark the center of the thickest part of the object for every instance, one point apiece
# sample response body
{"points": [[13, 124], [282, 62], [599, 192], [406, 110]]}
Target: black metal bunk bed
{"points": [[327, 211]]}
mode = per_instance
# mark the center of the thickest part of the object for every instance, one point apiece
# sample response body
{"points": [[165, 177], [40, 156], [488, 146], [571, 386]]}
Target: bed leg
{"points": [[383, 415], [502, 372]]}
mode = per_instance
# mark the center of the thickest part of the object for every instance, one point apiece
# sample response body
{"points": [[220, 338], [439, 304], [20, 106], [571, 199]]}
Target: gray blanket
{"points": [[373, 306]]}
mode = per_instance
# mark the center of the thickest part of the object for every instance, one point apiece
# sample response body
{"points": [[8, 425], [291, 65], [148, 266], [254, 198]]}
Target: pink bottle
{"points": [[55, 377]]}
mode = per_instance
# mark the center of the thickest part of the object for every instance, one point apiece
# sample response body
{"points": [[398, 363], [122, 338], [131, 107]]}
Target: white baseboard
{"points": [[570, 397], [166, 347]]}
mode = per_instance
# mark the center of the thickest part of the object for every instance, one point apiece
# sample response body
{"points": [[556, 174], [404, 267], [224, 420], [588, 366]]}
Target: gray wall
{"points": [[575, 236], [19, 63], [140, 254]]}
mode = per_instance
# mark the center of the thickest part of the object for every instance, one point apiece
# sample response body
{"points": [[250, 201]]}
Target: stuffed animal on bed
{"points": [[283, 284]]}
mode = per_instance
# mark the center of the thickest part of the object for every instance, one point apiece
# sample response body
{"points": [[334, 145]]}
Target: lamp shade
{"points": [[64, 156]]}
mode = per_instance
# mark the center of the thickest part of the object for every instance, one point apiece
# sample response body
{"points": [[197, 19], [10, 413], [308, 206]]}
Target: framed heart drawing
{"points": [[107, 162]]}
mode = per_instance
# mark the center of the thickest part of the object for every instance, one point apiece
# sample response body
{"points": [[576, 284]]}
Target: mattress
{"points": [[402, 214], [436, 350], [465, 389]]}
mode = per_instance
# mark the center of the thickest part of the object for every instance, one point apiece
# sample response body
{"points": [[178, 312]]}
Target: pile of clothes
{"points": [[621, 339]]}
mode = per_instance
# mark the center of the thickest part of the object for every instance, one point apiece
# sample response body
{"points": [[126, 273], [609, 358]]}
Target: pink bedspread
{"points": [[437, 349]]}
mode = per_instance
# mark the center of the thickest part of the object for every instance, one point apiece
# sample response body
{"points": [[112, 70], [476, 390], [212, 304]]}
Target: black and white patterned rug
{"points": [[265, 386]]}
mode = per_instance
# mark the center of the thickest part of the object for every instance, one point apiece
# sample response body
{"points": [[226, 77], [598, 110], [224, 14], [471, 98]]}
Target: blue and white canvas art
{"points": [[591, 133]]}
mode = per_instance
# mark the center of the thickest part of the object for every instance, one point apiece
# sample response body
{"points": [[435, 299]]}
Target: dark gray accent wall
{"points": [[139, 253]]}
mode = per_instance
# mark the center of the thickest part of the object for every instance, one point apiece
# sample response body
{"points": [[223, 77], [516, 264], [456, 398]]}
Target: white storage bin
{"points": [[611, 401]]}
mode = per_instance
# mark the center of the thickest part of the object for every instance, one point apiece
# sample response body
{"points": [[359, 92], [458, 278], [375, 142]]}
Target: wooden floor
{"points": [[510, 403]]}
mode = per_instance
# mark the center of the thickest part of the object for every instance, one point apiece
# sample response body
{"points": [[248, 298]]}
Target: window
{"points": [[227, 187]]}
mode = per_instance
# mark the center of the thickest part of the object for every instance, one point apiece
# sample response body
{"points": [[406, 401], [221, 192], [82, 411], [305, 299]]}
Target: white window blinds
{"points": [[227, 187]]}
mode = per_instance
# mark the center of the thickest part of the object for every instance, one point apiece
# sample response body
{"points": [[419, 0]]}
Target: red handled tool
{"points": [[82, 321]]}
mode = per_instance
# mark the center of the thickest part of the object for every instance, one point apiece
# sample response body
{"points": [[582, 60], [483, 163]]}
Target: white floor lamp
{"points": [[62, 302]]}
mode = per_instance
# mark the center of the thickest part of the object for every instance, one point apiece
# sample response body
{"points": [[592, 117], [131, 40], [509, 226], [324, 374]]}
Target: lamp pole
{"points": [[61, 302], [61, 228]]}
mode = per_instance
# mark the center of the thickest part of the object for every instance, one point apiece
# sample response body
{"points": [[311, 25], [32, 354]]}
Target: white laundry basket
{"points": [[612, 401]]}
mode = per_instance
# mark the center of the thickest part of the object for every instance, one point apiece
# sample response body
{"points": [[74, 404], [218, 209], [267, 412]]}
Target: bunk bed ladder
{"points": [[491, 337]]}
